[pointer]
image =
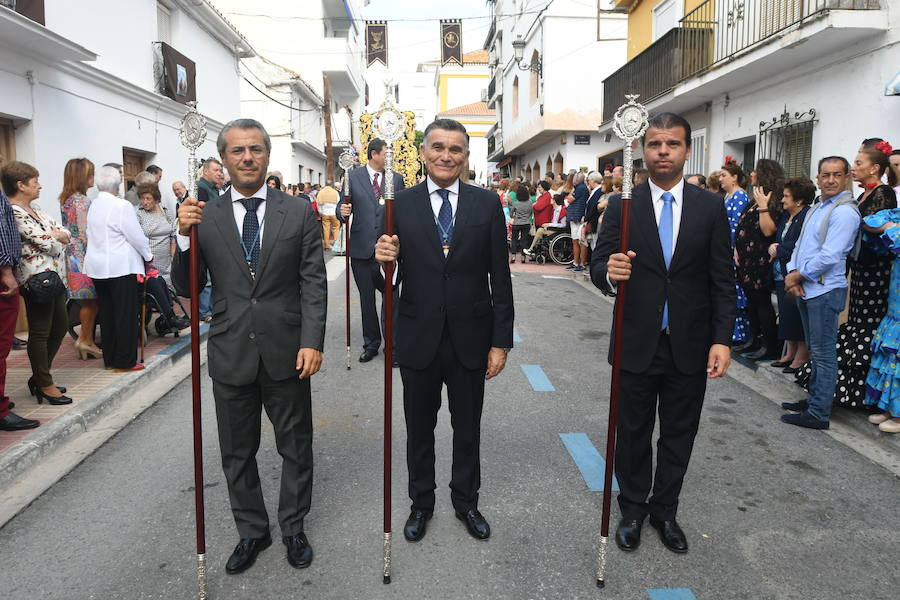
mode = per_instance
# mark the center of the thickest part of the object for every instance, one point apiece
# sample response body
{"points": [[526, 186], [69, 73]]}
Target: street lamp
{"points": [[519, 51]]}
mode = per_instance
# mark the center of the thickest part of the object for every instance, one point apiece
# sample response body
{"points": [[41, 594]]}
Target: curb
{"points": [[853, 419], [25, 453]]}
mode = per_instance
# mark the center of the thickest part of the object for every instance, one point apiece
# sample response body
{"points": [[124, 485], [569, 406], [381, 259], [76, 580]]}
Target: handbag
{"points": [[44, 287]]}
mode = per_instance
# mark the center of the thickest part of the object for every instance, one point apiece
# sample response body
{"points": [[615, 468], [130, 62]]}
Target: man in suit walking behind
{"points": [[263, 250], [367, 206], [677, 327], [456, 318]]}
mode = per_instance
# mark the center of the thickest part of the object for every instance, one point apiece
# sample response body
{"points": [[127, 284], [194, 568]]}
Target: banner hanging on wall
{"points": [[376, 42], [451, 42]]}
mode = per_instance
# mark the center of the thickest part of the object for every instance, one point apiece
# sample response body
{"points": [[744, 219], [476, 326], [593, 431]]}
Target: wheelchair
{"points": [[555, 246]]}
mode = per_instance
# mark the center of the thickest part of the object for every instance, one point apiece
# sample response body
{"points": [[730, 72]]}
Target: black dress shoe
{"points": [[416, 525], [476, 524], [32, 387], [13, 422], [368, 355], [743, 346], [299, 552], [671, 535], [780, 364], [790, 370], [751, 349], [795, 406], [245, 553], [18, 344], [628, 534]]}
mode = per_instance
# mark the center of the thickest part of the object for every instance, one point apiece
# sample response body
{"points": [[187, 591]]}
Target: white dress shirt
{"points": [[437, 201], [118, 246], [184, 242], [656, 193]]}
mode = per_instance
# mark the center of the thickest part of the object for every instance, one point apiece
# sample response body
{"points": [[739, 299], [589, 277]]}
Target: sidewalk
{"points": [[94, 392], [780, 387]]}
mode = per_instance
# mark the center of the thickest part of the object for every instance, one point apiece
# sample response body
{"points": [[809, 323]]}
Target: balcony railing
{"points": [[656, 70], [714, 32], [730, 27]]}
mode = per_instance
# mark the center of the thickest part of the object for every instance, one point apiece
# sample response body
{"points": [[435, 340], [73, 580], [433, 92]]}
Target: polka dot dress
{"points": [[734, 207]]}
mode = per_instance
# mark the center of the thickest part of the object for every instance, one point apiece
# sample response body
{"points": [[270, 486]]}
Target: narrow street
{"points": [[770, 511]]}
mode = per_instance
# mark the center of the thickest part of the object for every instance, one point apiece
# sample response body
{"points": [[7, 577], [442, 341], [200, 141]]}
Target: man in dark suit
{"points": [[263, 250], [367, 207], [456, 318], [677, 329]]}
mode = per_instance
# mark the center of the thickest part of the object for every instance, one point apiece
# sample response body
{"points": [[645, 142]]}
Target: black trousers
{"points": [[762, 318], [368, 277], [239, 418], [421, 403], [520, 238], [159, 289], [119, 307], [47, 326], [679, 400]]}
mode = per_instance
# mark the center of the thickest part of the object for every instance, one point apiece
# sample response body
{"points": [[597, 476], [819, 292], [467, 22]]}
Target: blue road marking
{"points": [[671, 594], [590, 463], [516, 337], [537, 378]]}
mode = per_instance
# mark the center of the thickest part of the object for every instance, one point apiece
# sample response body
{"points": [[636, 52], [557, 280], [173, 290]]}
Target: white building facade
{"points": [[311, 40], [83, 85], [789, 80], [550, 104]]}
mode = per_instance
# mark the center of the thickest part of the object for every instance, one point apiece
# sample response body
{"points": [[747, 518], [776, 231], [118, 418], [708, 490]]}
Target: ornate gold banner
{"points": [[406, 153], [376, 42], [451, 42]]}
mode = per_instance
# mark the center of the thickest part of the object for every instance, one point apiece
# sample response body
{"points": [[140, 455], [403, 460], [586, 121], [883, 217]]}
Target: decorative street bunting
{"points": [[376, 42], [451, 42]]}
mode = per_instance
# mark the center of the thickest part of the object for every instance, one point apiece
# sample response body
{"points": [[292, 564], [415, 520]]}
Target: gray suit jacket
{"points": [[368, 214], [273, 316]]}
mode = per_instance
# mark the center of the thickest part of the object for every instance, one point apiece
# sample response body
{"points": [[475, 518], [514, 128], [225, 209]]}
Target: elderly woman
{"points": [[115, 255], [41, 272], [78, 177], [159, 227]]}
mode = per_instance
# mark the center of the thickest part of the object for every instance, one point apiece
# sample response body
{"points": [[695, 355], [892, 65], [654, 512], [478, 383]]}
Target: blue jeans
{"points": [[206, 301], [820, 326]]}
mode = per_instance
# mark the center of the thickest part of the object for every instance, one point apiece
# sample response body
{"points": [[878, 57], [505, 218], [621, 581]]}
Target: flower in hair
{"points": [[884, 147], [729, 160]]}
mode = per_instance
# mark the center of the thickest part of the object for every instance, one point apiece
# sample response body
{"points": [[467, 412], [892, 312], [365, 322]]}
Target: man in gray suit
{"points": [[263, 250], [367, 207]]}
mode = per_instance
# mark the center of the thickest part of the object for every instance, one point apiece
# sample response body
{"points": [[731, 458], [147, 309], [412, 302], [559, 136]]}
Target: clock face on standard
{"points": [[631, 120], [388, 123]]}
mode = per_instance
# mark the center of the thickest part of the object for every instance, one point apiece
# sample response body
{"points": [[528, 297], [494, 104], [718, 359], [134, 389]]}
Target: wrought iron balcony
{"points": [[657, 69], [711, 34], [734, 26]]}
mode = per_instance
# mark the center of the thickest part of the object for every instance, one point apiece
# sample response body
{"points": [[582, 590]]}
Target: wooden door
{"points": [[7, 141], [132, 164]]}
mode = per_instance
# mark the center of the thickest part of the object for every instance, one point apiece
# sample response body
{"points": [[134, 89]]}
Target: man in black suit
{"points": [[263, 250], [677, 329], [367, 207], [456, 318]]}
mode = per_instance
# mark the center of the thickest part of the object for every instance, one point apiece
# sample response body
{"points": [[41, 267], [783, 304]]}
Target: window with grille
{"points": [[697, 162], [790, 145], [163, 23]]}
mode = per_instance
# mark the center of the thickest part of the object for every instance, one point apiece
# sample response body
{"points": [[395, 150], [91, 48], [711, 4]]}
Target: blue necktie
{"points": [[445, 219], [250, 233], [665, 238]]}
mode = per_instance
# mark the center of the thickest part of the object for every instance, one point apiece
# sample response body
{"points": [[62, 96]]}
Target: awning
{"points": [[504, 162]]}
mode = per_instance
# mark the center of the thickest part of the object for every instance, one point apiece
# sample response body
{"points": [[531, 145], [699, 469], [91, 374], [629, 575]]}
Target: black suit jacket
{"points": [[699, 284], [274, 315], [470, 289], [368, 214], [787, 242]]}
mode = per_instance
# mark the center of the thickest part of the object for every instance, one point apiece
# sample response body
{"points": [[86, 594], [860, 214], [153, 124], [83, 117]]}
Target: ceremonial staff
{"points": [[388, 126], [193, 133], [347, 160], [630, 123]]}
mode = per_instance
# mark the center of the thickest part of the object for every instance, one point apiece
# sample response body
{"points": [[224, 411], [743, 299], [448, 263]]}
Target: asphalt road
{"points": [[771, 511]]}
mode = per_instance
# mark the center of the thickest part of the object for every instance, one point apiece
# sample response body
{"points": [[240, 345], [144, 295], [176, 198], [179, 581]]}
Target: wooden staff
{"points": [[143, 314], [346, 191], [193, 132], [630, 124]]}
